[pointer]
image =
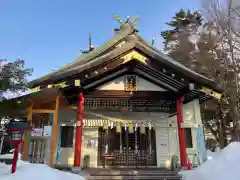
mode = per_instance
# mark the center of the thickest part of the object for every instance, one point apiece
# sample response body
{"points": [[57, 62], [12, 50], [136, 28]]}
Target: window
{"points": [[188, 137], [67, 136]]}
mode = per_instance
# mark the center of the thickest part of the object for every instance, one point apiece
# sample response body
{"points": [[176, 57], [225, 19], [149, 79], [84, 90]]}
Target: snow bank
{"points": [[211, 155], [9, 156], [28, 171], [225, 165]]}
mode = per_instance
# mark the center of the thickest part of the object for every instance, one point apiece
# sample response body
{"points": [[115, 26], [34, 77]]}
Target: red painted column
{"points": [[181, 135], [15, 157], [79, 126]]}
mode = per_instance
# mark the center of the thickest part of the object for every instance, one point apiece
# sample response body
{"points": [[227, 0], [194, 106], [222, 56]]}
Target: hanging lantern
{"points": [[105, 124], [118, 128], [142, 129], [130, 128]]}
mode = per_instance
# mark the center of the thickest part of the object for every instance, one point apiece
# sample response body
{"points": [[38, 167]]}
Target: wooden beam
{"points": [[69, 107], [35, 151], [43, 110], [26, 136], [54, 133]]}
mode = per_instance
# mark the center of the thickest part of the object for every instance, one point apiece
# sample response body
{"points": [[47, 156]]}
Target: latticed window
{"points": [[130, 104]]}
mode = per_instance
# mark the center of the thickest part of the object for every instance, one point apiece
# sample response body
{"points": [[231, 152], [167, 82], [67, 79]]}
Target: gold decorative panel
{"points": [[134, 55], [130, 83]]}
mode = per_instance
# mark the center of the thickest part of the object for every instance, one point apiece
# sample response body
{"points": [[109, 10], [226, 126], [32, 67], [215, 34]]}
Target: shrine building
{"points": [[122, 104]]}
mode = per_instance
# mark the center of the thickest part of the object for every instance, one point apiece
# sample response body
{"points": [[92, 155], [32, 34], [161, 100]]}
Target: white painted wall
{"points": [[169, 135], [166, 140], [88, 134], [119, 84]]}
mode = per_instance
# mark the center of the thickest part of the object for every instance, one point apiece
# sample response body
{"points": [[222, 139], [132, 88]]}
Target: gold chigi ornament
{"points": [[105, 124], [118, 128], [142, 129], [130, 128]]}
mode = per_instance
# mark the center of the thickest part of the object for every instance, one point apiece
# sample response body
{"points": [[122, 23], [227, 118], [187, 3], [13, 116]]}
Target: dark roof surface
{"points": [[110, 50]]}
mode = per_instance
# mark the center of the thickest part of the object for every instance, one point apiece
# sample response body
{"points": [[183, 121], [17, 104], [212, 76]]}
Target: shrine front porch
{"points": [[126, 148]]}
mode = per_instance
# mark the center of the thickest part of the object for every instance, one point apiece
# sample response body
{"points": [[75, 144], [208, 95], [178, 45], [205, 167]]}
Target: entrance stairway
{"points": [[130, 174]]}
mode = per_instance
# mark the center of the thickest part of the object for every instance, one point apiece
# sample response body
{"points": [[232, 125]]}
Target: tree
{"points": [[198, 45], [176, 40], [225, 14], [13, 80]]}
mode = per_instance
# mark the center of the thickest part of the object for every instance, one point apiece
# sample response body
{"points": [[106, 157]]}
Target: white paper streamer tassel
{"points": [[111, 124], [142, 129], [149, 125], [125, 126], [136, 126], [106, 149]]}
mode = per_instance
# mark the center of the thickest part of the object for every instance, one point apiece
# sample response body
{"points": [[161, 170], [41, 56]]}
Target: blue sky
{"points": [[50, 33]]}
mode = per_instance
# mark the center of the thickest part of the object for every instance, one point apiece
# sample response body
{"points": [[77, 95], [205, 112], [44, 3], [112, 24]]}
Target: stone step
{"points": [[121, 172], [134, 173], [130, 174], [133, 177]]}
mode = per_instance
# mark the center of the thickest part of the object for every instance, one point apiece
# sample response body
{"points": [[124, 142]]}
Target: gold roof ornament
{"points": [[117, 18], [126, 23], [212, 93], [153, 41], [121, 22], [134, 55]]}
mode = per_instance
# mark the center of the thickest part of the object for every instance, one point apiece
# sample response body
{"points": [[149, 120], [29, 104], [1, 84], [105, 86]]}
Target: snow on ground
{"points": [[223, 165], [9, 156], [211, 155], [28, 171]]}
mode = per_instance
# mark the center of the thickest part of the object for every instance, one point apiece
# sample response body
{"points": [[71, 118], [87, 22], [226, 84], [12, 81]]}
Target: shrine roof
{"points": [[126, 39]]}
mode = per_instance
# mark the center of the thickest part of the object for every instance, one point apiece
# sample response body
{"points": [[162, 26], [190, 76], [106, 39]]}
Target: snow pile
{"points": [[4, 169], [28, 171], [211, 155], [225, 165], [10, 156]]}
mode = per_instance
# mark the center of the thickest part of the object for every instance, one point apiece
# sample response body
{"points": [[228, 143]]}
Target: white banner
{"points": [[37, 132], [47, 131]]}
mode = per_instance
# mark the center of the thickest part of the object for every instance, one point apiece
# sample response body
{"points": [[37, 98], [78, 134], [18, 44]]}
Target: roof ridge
{"points": [[88, 64], [91, 55], [173, 62], [168, 58]]}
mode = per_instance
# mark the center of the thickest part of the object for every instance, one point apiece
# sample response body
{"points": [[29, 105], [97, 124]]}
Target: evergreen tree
{"points": [[12, 81], [198, 46]]}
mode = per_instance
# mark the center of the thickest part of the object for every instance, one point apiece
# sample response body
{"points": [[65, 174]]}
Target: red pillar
{"points": [[79, 126], [181, 135], [15, 157]]}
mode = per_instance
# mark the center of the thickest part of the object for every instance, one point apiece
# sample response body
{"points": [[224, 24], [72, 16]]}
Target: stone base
{"points": [[76, 170]]}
